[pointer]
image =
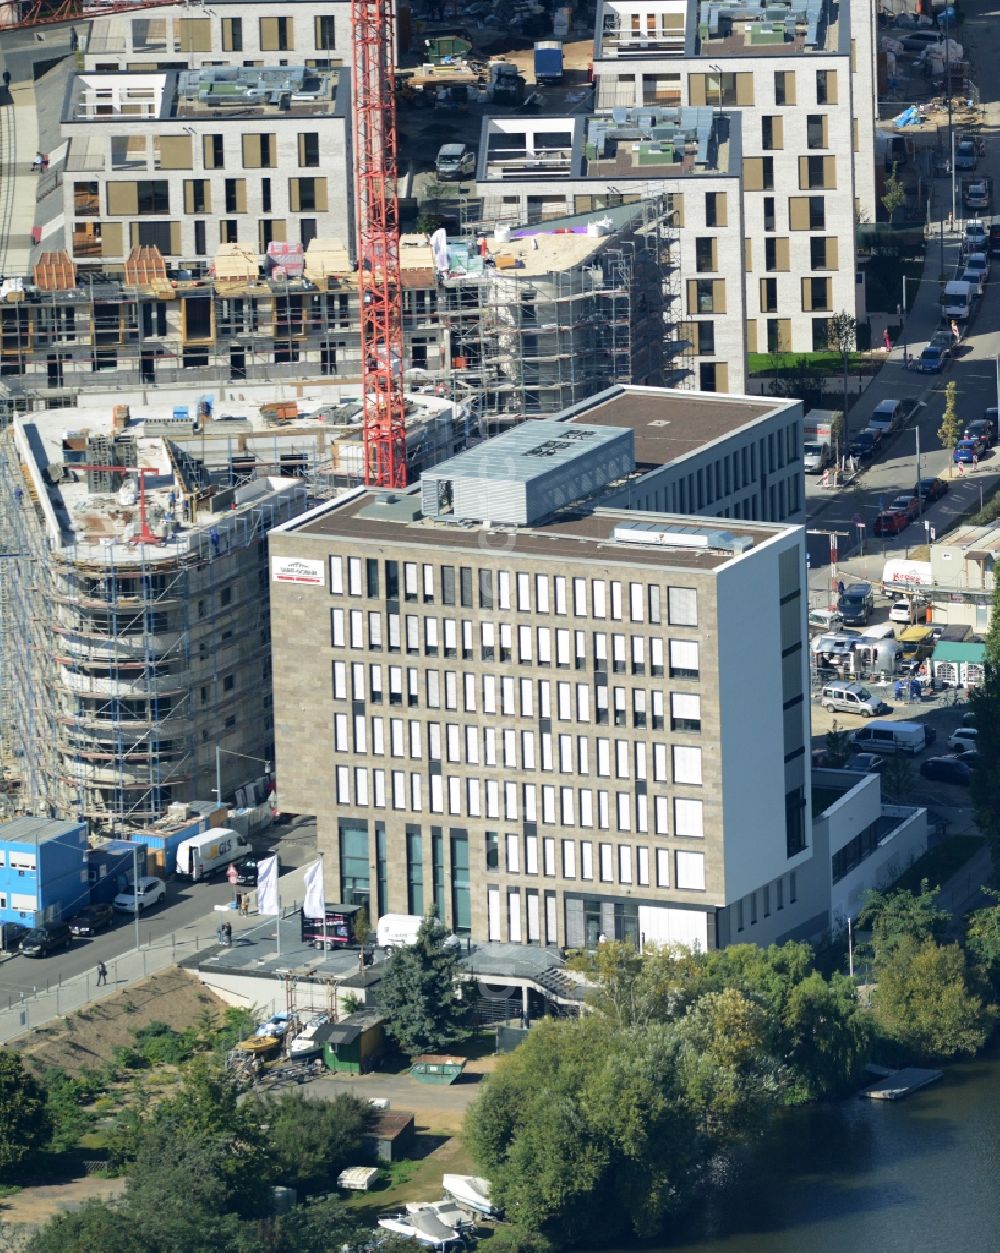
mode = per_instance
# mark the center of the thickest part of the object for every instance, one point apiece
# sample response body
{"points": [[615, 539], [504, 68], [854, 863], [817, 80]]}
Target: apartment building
{"points": [[134, 613], [313, 33], [685, 164], [543, 717], [801, 74], [187, 160]]}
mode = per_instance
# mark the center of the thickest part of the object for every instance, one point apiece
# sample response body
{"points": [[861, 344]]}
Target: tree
{"points": [[838, 746], [829, 1038], [897, 777], [985, 786], [24, 1118], [894, 195], [420, 993], [842, 337], [362, 926], [310, 1142], [950, 430], [95, 1225], [982, 938], [894, 917], [925, 1000]]}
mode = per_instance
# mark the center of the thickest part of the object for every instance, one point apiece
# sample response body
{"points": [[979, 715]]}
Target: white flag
{"points": [[314, 902], [267, 886]]}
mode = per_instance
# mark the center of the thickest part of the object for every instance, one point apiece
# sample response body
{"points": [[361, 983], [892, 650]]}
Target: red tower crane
{"points": [[376, 204]]}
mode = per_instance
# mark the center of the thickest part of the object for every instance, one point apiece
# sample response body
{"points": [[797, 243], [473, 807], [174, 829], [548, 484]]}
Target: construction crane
{"points": [[376, 206], [144, 534], [55, 12]]}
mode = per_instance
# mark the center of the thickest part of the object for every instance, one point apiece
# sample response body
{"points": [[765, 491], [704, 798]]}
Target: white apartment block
{"points": [[802, 75], [568, 721], [188, 160], [314, 33], [532, 169]]}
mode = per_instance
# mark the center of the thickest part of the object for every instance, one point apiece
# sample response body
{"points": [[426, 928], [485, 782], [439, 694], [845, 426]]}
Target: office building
{"points": [[510, 698]]}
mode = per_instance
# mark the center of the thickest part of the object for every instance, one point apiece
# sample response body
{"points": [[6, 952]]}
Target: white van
{"points": [[956, 303], [203, 854], [401, 930], [888, 736]]}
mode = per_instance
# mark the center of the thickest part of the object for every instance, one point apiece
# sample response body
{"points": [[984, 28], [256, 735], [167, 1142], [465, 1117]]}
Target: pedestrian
{"points": [[38, 164], [245, 904], [227, 932], [102, 974], [954, 331], [886, 340], [239, 902], [6, 79]]}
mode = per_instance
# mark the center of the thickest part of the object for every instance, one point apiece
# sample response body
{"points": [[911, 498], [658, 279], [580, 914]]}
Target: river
{"points": [[913, 1176]]}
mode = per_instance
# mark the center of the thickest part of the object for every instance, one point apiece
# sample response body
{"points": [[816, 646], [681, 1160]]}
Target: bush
{"points": [[162, 1045]]}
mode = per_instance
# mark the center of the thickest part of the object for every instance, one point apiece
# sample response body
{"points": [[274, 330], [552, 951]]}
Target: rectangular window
{"points": [[826, 86], [275, 34], [355, 882], [232, 34], [716, 213], [324, 32], [784, 87], [705, 259], [682, 606], [691, 871], [689, 818], [772, 133], [816, 131], [309, 149], [415, 870]]}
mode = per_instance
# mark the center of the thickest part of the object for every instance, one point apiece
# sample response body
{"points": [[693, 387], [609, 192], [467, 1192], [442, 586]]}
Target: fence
{"points": [[24, 1013]]}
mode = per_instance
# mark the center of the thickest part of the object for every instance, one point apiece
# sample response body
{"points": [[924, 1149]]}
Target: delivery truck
{"points": [[548, 62], [202, 855]]}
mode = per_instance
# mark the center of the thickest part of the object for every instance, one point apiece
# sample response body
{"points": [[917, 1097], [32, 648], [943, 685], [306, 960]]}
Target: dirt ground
{"points": [[35, 1206], [88, 1037]]}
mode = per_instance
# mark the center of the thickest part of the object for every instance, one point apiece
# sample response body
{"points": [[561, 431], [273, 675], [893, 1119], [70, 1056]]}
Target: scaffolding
{"points": [[122, 665]]}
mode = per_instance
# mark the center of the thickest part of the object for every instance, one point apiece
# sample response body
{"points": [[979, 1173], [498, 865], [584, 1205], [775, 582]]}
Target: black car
{"points": [[868, 763], [41, 941], [865, 443], [246, 872], [930, 489], [92, 920], [947, 770]]}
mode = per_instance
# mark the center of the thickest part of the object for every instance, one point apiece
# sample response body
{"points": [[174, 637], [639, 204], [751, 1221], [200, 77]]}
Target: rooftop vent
{"points": [[701, 539]]}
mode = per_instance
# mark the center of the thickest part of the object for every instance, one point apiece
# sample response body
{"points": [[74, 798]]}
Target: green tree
{"points": [[982, 938], [900, 915], [362, 926], [322, 1224], [985, 786], [894, 194], [420, 993], [950, 430], [310, 1142], [828, 1037], [842, 338], [96, 1225], [838, 745], [925, 1000], [24, 1117], [897, 777]]}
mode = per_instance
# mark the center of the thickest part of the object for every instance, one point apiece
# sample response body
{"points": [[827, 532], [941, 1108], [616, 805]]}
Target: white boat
{"points": [[447, 1211], [472, 1191], [424, 1227]]}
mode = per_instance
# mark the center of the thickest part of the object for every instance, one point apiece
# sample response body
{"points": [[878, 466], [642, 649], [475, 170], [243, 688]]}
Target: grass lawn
{"points": [[821, 362], [416, 1179], [939, 863]]}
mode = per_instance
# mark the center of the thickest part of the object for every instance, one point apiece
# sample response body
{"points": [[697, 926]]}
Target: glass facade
{"points": [[355, 879]]}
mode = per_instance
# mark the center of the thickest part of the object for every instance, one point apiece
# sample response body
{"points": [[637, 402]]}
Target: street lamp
{"points": [[218, 767]]}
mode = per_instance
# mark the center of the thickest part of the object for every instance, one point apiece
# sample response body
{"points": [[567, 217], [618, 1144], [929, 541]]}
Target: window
{"points": [[683, 659], [705, 343], [687, 765], [228, 231], [705, 295], [309, 149], [236, 195], [816, 131], [817, 173], [771, 133], [691, 871], [275, 34], [213, 157], [716, 209], [307, 195], [768, 209], [820, 334], [795, 822], [705, 254], [324, 32], [197, 195], [784, 87], [685, 712], [816, 293], [232, 34], [826, 86], [682, 606], [758, 173], [769, 295], [355, 885], [259, 151]]}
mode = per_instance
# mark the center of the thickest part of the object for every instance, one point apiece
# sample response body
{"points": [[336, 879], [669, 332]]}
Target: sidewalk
{"points": [[18, 145], [62, 997]]}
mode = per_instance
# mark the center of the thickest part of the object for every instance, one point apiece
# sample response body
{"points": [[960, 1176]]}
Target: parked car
{"points": [[816, 456], [978, 261], [917, 41], [246, 871], [930, 489], [455, 161], [970, 757], [825, 619], [908, 503], [944, 340], [931, 360], [41, 941], [905, 612], [92, 920], [856, 604], [963, 738], [148, 891], [866, 443], [976, 280], [982, 431], [966, 451], [840, 696], [975, 237], [870, 763], [947, 770], [890, 522], [990, 415], [966, 155]]}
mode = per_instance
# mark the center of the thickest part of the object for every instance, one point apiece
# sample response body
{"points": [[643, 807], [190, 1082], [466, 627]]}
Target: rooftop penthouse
{"points": [[217, 94], [642, 143], [627, 29]]}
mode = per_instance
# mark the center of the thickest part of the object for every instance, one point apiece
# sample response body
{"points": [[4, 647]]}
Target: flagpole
{"points": [[322, 879], [277, 884]]}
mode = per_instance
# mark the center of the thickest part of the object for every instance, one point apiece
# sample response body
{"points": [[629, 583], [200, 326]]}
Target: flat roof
{"points": [[587, 538], [32, 830], [671, 424], [526, 452]]}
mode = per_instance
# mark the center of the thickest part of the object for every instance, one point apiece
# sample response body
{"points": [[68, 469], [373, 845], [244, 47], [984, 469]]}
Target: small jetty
{"points": [[900, 1083]]}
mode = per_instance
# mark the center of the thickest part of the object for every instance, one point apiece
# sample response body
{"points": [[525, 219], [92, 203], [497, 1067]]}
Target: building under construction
{"points": [[518, 324]]}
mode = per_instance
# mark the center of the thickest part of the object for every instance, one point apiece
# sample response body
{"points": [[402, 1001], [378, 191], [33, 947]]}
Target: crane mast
{"points": [[376, 205]]}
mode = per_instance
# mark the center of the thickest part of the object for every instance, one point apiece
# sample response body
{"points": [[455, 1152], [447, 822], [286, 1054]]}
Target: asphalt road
{"points": [[186, 903]]}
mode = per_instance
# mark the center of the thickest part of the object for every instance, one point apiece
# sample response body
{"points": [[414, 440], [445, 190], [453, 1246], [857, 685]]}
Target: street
{"points": [[186, 903]]}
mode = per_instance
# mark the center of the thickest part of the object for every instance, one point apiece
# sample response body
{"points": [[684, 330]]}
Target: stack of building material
{"points": [[235, 268], [54, 271], [146, 268], [284, 260], [326, 262]]}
